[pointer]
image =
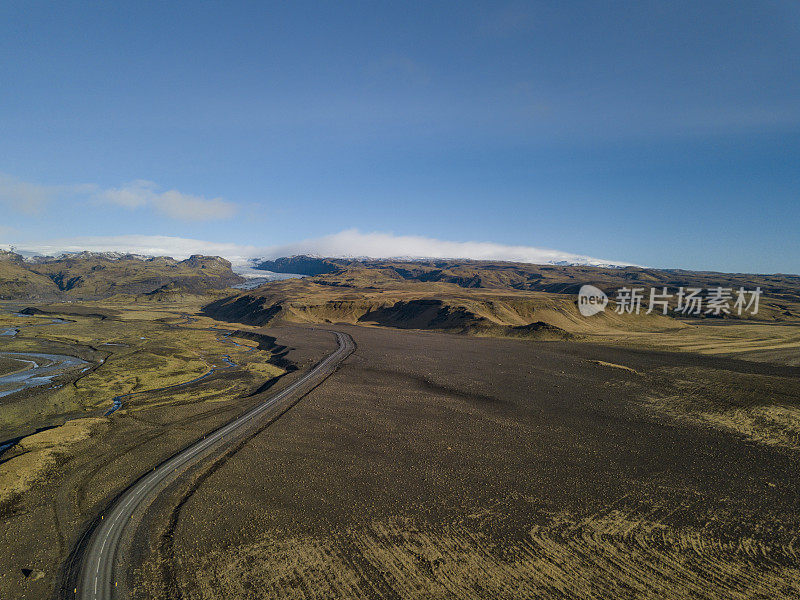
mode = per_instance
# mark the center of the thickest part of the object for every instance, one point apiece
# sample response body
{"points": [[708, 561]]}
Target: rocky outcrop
{"points": [[300, 265]]}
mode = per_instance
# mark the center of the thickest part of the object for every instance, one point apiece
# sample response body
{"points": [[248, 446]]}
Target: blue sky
{"points": [[657, 133]]}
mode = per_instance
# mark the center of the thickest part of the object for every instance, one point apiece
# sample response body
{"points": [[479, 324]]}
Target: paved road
{"points": [[100, 568]]}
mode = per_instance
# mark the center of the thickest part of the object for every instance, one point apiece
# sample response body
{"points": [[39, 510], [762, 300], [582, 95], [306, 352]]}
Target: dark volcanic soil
{"points": [[442, 466]]}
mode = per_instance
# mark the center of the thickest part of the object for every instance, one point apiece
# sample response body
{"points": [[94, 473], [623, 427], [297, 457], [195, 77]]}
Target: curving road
{"points": [[99, 568]]}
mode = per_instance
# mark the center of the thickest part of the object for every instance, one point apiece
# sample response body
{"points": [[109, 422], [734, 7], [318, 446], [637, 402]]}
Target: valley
{"points": [[400, 301], [472, 442]]}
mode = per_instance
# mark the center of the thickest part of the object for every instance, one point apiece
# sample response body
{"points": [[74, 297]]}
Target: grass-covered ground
{"points": [[54, 482], [10, 365], [131, 349]]}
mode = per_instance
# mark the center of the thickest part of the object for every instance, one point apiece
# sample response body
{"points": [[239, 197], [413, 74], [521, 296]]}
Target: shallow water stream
{"points": [[36, 369]]}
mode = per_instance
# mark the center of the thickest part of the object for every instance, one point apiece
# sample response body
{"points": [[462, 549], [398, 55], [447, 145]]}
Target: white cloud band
{"points": [[353, 243], [31, 198], [171, 203], [348, 243]]}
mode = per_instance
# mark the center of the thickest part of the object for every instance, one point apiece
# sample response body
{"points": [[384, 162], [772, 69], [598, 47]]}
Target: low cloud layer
{"points": [[32, 198], [353, 243], [172, 203], [348, 243], [23, 196], [141, 194]]}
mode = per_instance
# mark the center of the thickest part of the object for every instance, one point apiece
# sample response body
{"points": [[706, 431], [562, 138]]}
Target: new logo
{"points": [[591, 300]]}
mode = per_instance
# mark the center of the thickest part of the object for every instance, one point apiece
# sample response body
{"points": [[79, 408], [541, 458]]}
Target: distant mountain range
{"points": [[95, 275], [310, 264], [92, 275], [480, 297]]}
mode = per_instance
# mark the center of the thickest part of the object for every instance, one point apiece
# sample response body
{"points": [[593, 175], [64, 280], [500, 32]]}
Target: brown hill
{"points": [[780, 300], [97, 275], [423, 305], [484, 298], [18, 281]]}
